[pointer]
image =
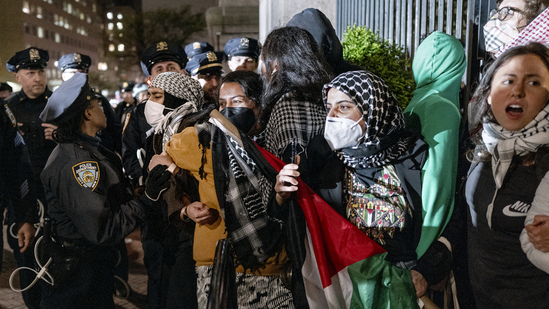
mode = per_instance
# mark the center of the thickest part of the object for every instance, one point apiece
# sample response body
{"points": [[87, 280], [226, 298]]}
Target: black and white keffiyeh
{"points": [[386, 137], [251, 230], [503, 145], [291, 118], [191, 100]]}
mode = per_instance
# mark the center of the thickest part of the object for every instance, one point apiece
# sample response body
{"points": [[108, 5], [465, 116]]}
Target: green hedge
{"points": [[363, 47]]}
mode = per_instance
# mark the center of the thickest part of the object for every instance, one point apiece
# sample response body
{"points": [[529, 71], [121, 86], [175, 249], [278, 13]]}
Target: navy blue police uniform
{"points": [[91, 207], [27, 111]]}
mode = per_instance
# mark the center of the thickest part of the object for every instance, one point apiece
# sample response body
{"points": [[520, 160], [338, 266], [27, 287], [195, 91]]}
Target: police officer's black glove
{"points": [[158, 181]]}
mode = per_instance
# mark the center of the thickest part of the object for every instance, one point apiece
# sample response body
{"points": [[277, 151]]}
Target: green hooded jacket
{"points": [[438, 67]]}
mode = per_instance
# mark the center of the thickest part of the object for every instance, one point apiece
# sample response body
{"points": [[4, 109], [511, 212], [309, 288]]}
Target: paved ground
{"points": [[137, 278]]}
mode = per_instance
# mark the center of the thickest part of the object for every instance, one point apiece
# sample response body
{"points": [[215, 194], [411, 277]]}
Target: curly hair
{"points": [[69, 128]]}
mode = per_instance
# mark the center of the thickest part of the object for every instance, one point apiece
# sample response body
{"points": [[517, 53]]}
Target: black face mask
{"points": [[242, 117]]}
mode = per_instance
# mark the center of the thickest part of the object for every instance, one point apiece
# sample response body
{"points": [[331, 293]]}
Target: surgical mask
{"points": [[497, 34], [242, 117], [342, 133], [154, 112]]}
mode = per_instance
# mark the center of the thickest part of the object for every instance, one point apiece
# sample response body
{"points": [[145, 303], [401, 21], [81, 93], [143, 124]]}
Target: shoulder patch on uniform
{"points": [[87, 174], [10, 115]]}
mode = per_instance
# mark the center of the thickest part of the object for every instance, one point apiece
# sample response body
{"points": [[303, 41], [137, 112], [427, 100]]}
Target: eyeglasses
{"points": [[505, 13]]}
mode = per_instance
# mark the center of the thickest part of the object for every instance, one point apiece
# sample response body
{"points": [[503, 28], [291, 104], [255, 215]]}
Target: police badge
{"points": [[77, 58], [244, 42], [34, 54], [87, 174], [161, 46], [211, 57]]}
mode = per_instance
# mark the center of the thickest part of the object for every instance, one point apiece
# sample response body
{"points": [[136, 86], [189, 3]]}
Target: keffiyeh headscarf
{"points": [[386, 137], [503, 144], [182, 93]]}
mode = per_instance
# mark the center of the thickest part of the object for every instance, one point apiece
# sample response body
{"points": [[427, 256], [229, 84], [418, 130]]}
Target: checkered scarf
{"points": [[503, 144], [291, 119], [181, 87], [386, 137], [536, 31], [497, 34], [251, 229]]}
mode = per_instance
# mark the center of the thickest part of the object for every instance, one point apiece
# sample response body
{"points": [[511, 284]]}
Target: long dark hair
{"points": [[69, 128], [300, 67], [483, 90]]}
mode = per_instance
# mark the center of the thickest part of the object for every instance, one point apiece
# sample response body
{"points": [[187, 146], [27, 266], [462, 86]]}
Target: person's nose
{"points": [[332, 113], [518, 90]]}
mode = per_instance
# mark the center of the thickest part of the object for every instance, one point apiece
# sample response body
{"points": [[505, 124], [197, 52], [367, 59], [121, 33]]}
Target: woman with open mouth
{"points": [[508, 186]]}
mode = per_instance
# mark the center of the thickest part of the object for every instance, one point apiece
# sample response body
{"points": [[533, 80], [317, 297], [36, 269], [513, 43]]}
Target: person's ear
{"points": [[17, 77]]}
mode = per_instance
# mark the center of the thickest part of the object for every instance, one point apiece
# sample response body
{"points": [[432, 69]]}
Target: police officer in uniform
{"points": [[207, 68], [91, 207], [243, 54], [128, 101], [111, 137], [14, 186], [158, 58], [28, 67]]}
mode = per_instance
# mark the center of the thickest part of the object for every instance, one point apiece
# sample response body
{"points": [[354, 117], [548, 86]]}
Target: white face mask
{"points": [[497, 34], [154, 112], [342, 133]]}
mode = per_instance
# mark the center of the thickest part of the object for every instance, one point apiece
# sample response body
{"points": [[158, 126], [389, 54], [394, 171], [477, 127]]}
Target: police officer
{"points": [[158, 58], [243, 54], [207, 69], [90, 205], [111, 137], [28, 67], [128, 101], [14, 190]]}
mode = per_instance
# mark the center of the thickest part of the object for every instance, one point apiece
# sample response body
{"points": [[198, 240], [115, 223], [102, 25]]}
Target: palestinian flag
{"points": [[343, 267]]}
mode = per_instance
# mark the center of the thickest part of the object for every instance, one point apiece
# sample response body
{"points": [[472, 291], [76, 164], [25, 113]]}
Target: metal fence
{"points": [[407, 22]]}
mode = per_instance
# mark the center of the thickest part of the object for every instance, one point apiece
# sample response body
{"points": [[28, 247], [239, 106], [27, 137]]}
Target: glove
{"points": [[158, 181]]}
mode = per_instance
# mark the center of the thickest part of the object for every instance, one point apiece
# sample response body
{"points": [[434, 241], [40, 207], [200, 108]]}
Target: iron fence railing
{"points": [[407, 22]]}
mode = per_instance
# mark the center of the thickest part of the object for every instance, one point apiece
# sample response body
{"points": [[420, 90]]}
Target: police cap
{"points": [[74, 61], [196, 48], [127, 86], [66, 101], [31, 58], [5, 86], [209, 62], [242, 47], [163, 51]]}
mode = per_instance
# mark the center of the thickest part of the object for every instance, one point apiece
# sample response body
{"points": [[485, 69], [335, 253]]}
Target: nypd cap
{"points": [[127, 86], [209, 62], [163, 51], [66, 101], [196, 48], [242, 47], [74, 61], [31, 58]]}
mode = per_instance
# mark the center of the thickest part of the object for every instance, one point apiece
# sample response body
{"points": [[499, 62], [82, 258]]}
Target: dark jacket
{"points": [[326, 173], [87, 196], [134, 138]]}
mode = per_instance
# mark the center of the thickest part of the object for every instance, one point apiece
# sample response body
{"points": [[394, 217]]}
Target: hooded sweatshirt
{"points": [[438, 67], [320, 27]]}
